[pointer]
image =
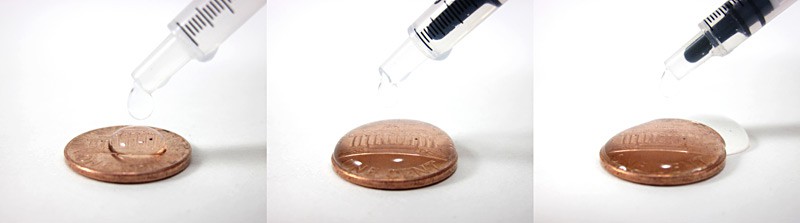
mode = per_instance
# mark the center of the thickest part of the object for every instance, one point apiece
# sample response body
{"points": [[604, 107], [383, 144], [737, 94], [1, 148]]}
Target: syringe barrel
{"points": [[779, 6], [723, 30], [446, 22], [195, 34], [205, 24], [736, 20], [732, 23]]}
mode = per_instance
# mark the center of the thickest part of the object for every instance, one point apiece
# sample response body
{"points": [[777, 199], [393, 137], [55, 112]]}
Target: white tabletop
{"points": [[322, 61], [65, 69], [596, 72]]}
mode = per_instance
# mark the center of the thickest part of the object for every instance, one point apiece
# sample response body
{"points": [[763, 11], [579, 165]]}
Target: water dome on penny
{"points": [[137, 140], [665, 152], [128, 154], [395, 154]]}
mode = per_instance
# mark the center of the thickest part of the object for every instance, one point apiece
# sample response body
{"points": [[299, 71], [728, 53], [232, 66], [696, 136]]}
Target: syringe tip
{"points": [[688, 57]]}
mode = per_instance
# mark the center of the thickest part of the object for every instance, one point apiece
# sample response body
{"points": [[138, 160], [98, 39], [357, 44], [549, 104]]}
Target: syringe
{"points": [[434, 34], [195, 33], [724, 30]]}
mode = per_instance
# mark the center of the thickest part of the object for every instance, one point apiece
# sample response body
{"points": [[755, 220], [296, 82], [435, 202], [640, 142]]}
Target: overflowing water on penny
{"points": [[665, 152]]}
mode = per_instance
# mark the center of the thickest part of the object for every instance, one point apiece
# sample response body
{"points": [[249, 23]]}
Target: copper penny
{"points": [[395, 154], [665, 152], [128, 154]]}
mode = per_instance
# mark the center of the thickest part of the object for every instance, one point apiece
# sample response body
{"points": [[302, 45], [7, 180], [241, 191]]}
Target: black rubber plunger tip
{"points": [[698, 49]]}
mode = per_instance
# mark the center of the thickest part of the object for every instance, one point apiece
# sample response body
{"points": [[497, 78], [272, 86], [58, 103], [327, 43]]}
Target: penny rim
{"points": [[398, 184], [665, 179]]}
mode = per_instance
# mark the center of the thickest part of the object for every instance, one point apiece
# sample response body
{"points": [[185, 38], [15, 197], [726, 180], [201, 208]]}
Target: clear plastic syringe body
{"points": [[434, 34], [724, 30], [194, 34]]}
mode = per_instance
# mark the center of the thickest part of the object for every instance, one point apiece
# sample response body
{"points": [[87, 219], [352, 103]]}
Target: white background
{"points": [[596, 72], [65, 69], [323, 59]]}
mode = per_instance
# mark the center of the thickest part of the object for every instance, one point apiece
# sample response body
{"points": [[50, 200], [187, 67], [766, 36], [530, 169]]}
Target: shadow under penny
{"points": [[758, 133], [487, 150], [466, 165], [242, 155], [763, 132]]}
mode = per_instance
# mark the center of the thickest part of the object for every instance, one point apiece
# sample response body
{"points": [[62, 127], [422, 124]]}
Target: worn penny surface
{"points": [[143, 156], [665, 152], [395, 154]]}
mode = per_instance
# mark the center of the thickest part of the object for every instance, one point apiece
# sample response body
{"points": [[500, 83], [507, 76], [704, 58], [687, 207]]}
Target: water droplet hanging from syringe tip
{"points": [[140, 103]]}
